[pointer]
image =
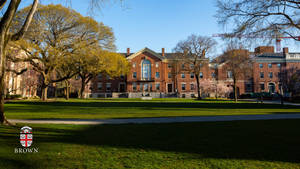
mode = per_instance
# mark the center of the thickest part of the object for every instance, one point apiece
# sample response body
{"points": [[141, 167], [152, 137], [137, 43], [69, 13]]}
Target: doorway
{"points": [[170, 88], [122, 87]]}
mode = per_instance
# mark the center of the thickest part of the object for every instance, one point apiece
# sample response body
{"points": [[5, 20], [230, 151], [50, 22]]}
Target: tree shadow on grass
{"points": [[272, 140], [269, 140]]}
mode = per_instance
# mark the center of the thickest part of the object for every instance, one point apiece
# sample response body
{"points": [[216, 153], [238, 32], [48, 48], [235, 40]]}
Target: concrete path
{"points": [[159, 120], [271, 102]]}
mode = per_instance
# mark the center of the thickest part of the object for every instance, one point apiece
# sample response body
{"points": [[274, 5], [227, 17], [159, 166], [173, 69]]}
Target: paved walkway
{"points": [[271, 102], [160, 119]]}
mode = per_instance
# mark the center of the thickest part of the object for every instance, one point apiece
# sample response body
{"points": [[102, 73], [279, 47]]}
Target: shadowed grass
{"points": [[239, 144]]}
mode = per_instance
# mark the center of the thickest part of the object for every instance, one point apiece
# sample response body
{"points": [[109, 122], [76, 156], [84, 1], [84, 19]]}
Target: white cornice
{"points": [[146, 50]]}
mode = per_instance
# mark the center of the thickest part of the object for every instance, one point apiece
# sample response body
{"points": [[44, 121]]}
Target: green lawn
{"points": [[238, 144], [135, 108]]}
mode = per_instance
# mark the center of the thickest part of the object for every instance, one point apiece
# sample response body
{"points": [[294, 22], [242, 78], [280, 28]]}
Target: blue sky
{"points": [[156, 24]]}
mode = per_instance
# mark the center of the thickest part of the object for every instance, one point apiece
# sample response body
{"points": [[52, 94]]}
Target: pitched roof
{"points": [[146, 50]]}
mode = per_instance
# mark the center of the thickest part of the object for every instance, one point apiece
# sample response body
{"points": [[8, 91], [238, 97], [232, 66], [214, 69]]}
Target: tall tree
{"points": [[6, 36], [53, 38], [239, 64], [8, 10], [192, 51], [92, 61], [261, 17]]}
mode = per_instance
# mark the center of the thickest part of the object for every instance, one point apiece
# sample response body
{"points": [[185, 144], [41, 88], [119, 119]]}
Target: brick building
{"points": [[152, 74], [161, 75]]}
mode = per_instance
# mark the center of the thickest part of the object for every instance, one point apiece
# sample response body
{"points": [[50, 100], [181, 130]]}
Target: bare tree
{"points": [[175, 70], [261, 17], [192, 51], [290, 81], [238, 65]]}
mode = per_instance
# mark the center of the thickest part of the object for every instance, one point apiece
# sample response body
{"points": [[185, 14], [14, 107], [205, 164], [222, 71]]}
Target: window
{"points": [[182, 75], [278, 65], [169, 75], [279, 75], [261, 74], [134, 75], [100, 76], [182, 66], [108, 86], [201, 75], [192, 86], [229, 74], [262, 86], [192, 75], [122, 77], [271, 75], [133, 65], [156, 64], [192, 66], [146, 86], [271, 87], [213, 75], [157, 75], [157, 86], [146, 69], [134, 87], [183, 86], [99, 86], [169, 65], [270, 65], [107, 77], [261, 65], [248, 87]]}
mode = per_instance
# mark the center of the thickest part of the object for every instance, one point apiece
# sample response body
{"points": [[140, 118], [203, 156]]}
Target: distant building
{"points": [[153, 74]]}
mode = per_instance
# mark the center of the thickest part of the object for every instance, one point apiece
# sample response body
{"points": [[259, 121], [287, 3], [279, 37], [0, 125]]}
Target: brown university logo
{"points": [[26, 136], [26, 141]]}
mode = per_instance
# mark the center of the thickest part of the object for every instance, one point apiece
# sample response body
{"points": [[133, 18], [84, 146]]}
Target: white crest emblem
{"points": [[26, 136]]}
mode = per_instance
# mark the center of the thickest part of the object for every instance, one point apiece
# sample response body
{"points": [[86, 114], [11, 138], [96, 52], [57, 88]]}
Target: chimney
{"points": [[285, 50], [128, 51], [264, 49], [163, 51]]}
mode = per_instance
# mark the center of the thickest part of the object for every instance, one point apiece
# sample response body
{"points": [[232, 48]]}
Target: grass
{"points": [[238, 144], [135, 108]]}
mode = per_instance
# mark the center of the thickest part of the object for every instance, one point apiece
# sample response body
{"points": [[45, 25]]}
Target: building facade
{"points": [[160, 75], [153, 74]]}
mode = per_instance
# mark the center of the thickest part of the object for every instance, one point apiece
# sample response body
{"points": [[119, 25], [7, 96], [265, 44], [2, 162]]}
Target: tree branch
{"points": [[25, 26], [17, 72]]}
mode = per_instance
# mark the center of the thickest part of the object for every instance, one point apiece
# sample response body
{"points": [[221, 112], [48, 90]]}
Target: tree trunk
{"points": [[235, 91], [2, 93], [216, 91], [44, 92], [67, 89], [2, 80], [82, 89], [198, 87]]}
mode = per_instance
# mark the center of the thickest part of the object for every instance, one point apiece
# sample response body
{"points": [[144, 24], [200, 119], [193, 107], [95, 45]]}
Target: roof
{"points": [[158, 55], [271, 55], [146, 50]]}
